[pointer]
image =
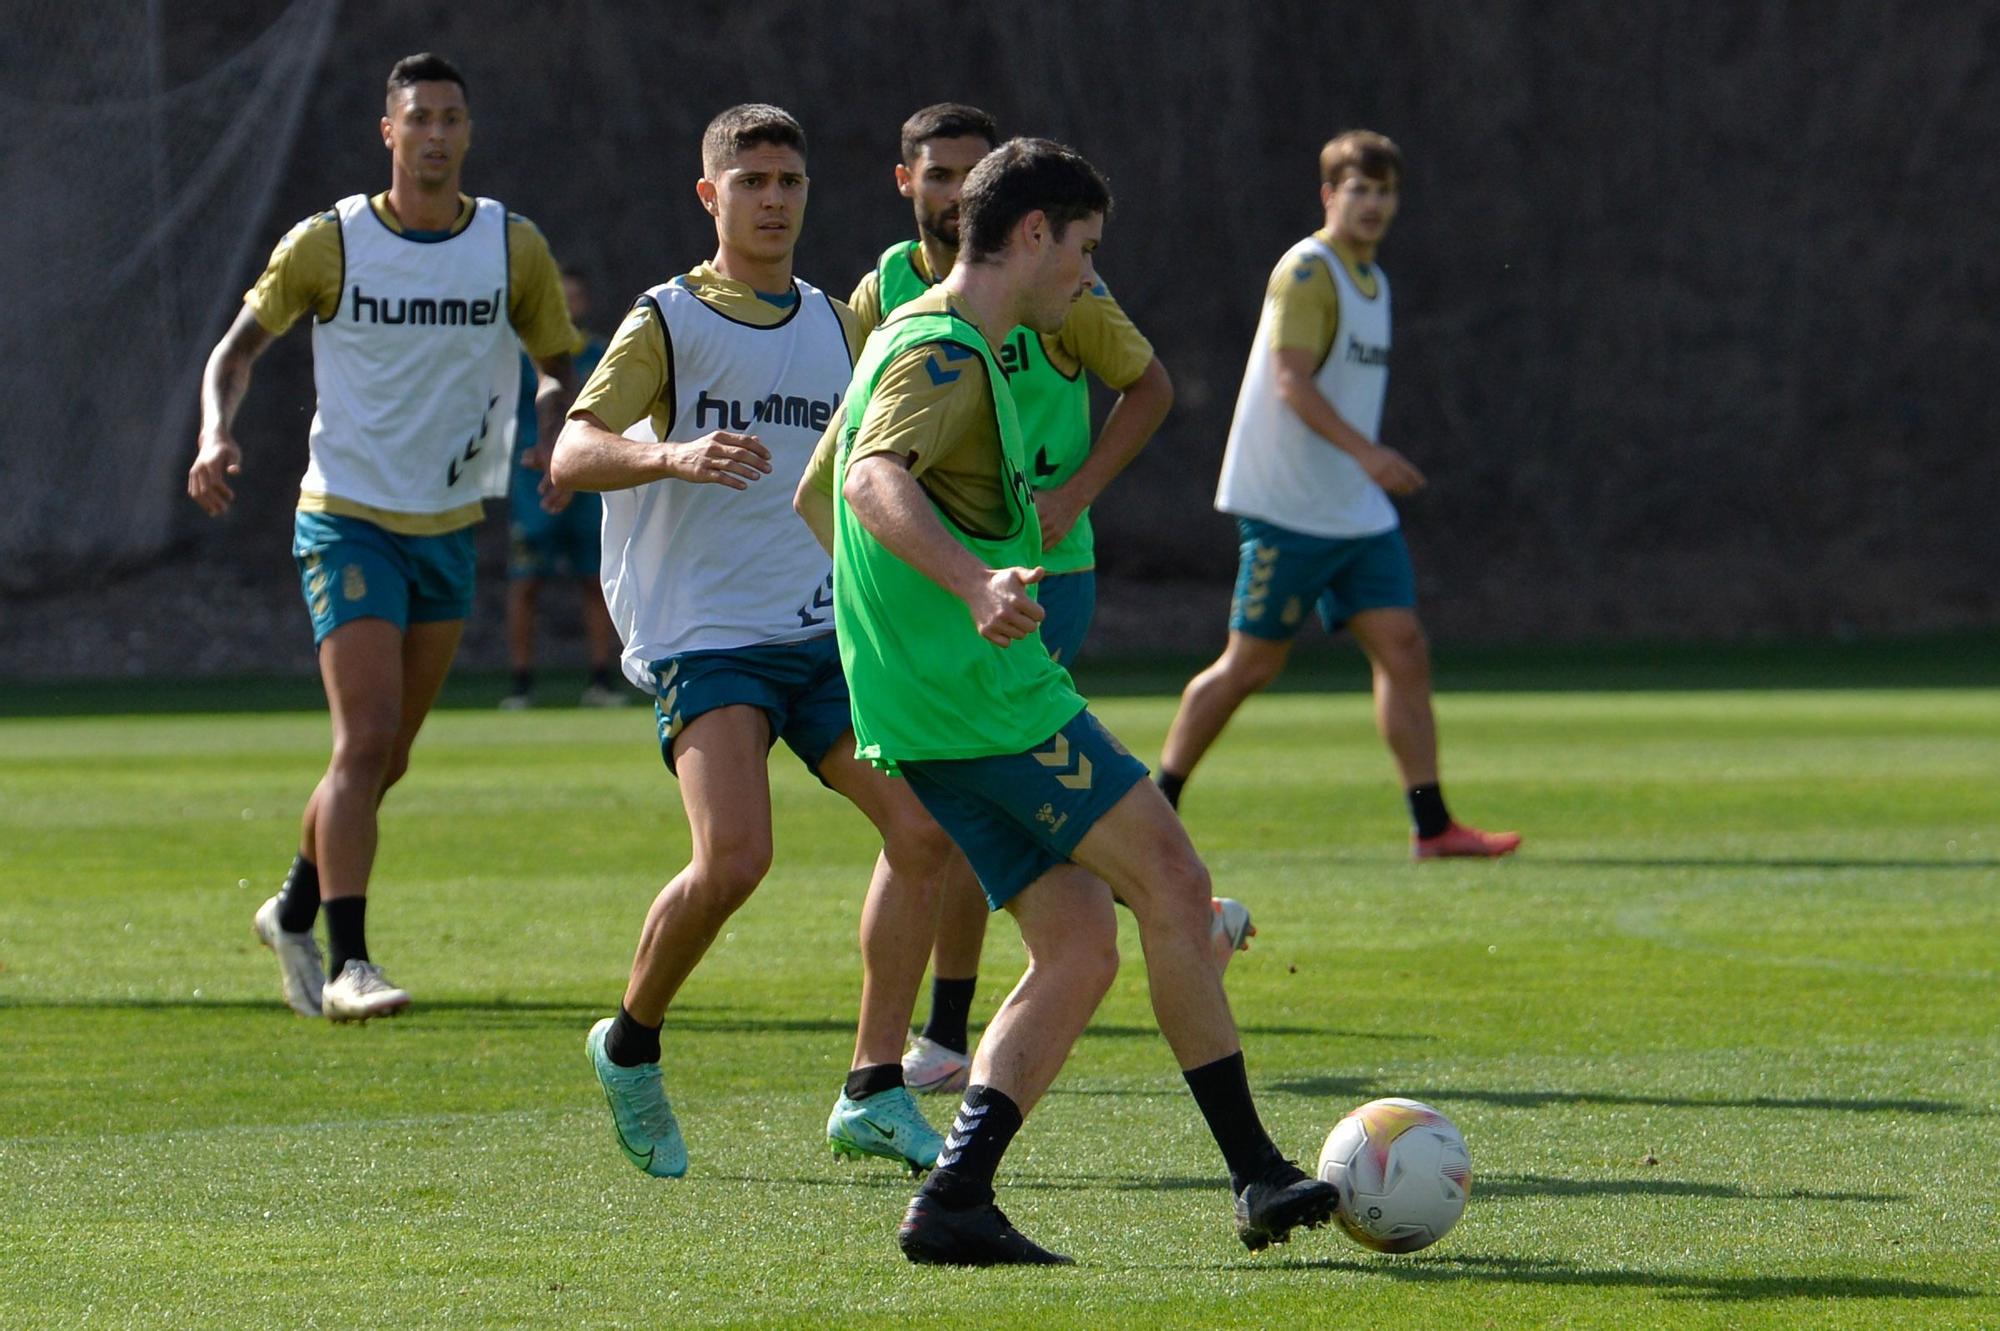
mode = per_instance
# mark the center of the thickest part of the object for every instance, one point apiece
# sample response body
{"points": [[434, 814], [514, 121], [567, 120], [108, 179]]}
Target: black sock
{"points": [[601, 676], [1170, 784], [1427, 811], [1222, 1089], [524, 682], [986, 1122], [631, 1042], [951, 1007], [873, 1079], [346, 932], [298, 899]]}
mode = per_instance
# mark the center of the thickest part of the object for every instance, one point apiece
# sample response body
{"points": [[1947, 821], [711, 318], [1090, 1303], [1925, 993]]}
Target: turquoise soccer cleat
{"points": [[887, 1125], [648, 1133]]}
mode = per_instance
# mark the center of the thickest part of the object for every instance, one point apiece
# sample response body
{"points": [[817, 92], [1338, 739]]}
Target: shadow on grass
{"points": [[1776, 862], [874, 1174], [1668, 1284], [1109, 1031], [1493, 1187], [1358, 1089]]}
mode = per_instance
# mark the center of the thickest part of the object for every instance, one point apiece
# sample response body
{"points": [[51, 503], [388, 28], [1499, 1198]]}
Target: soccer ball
{"points": [[1402, 1172]]}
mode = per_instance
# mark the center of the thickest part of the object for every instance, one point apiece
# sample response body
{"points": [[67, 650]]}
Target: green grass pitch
{"points": [[1723, 1039]]}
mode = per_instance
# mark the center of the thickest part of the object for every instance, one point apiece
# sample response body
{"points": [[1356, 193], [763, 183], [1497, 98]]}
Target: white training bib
{"points": [[702, 567], [416, 371], [1276, 468]]}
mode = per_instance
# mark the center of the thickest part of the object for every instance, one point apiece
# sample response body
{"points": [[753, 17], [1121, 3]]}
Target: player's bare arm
{"points": [[554, 391], [887, 500], [1385, 466], [1142, 405], [813, 500], [589, 456], [224, 381]]}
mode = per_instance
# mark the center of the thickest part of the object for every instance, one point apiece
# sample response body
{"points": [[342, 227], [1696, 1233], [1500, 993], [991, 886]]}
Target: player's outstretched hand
{"points": [[217, 458], [1002, 608], [721, 458], [1392, 471]]}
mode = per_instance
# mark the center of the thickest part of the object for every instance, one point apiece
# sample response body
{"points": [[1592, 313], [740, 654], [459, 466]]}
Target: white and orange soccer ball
{"points": [[1402, 1172]]}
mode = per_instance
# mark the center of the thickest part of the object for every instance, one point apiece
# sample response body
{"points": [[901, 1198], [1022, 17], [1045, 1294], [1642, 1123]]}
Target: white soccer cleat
{"points": [[300, 965], [931, 1068], [1231, 932], [359, 992], [599, 695]]}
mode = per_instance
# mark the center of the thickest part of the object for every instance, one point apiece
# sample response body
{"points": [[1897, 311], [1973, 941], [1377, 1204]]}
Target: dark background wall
{"points": [[1695, 302]]}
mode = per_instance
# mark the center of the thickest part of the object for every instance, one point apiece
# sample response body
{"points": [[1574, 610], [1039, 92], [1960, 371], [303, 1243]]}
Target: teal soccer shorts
{"points": [[1280, 572], [1018, 815], [352, 569], [1068, 601], [797, 685]]}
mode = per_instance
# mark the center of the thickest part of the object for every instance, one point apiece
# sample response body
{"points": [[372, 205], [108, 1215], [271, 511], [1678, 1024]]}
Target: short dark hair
{"points": [[1365, 153], [947, 120], [746, 126], [424, 67], [1019, 177]]}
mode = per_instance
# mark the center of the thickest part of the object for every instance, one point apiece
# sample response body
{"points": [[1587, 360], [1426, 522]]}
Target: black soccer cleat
{"points": [[1270, 1208], [932, 1235]]}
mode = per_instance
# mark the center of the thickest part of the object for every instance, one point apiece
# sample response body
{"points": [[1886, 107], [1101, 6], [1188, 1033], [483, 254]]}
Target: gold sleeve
{"points": [[1305, 306], [631, 381], [304, 274], [850, 325], [820, 467], [933, 409], [535, 304], [1100, 336], [866, 302]]}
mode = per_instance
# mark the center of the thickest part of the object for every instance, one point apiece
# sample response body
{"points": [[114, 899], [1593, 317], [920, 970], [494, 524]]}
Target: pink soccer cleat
{"points": [[1461, 842]]}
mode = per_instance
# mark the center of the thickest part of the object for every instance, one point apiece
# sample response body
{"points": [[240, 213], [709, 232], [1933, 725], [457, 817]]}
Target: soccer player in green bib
{"points": [[937, 557], [1046, 373]]}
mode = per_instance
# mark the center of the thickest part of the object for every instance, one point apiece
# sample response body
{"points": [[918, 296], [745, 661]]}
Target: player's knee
{"points": [[727, 875], [399, 766], [916, 845], [365, 750], [1086, 953], [1252, 672], [1184, 888], [1404, 654]]}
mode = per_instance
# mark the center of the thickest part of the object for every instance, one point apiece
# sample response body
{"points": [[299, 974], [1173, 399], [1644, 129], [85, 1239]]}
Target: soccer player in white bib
{"points": [[724, 601], [421, 300], [1309, 484]]}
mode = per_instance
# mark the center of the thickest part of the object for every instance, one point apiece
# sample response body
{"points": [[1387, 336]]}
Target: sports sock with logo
{"points": [[1222, 1089], [873, 1079], [630, 1041], [1170, 784], [346, 932], [980, 1132], [298, 899], [1427, 811], [951, 1009]]}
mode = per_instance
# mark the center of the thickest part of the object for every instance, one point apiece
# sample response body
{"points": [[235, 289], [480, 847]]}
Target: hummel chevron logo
{"points": [[810, 615], [1058, 756], [474, 445], [940, 376], [961, 1133]]}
